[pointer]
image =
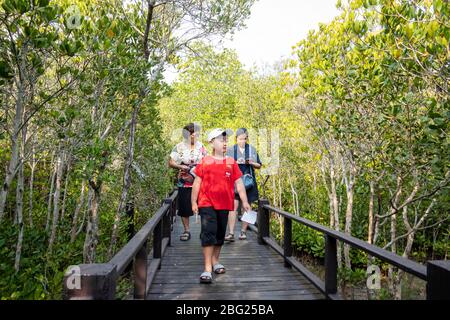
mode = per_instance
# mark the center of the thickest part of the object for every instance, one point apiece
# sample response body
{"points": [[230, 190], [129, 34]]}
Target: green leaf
{"points": [[8, 6]]}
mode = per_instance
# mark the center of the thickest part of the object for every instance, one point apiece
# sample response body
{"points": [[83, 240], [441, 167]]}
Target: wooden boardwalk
{"points": [[254, 272]]}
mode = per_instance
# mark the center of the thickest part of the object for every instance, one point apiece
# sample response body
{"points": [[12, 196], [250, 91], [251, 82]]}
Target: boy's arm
{"points": [[242, 194], [194, 195]]}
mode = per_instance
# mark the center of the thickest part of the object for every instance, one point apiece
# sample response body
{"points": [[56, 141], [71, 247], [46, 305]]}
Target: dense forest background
{"points": [[352, 130]]}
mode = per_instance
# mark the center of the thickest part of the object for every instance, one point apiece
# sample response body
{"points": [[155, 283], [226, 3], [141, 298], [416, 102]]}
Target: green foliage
{"points": [[308, 240], [40, 275], [353, 277]]}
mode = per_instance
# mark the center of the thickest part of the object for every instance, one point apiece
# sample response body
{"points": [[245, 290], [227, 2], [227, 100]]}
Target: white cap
{"points": [[219, 132]]}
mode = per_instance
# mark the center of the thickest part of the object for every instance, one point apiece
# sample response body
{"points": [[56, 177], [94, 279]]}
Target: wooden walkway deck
{"points": [[254, 272]]}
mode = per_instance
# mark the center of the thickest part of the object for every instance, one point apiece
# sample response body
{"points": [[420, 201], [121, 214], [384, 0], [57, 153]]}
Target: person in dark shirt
{"points": [[248, 160]]}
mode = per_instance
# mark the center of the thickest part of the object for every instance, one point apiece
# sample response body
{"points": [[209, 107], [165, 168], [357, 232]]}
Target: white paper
{"points": [[249, 217]]}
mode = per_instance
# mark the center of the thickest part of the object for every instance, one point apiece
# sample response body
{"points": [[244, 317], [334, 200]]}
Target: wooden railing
{"points": [[435, 273], [98, 281]]}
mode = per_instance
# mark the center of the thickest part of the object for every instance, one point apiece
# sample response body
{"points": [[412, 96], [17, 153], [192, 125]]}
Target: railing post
{"points": [[90, 282], [167, 225], [330, 265], [438, 280], [157, 241], [263, 220], [287, 243], [140, 273]]}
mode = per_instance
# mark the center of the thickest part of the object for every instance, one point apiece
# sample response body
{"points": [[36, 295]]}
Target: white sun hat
{"points": [[219, 132]]}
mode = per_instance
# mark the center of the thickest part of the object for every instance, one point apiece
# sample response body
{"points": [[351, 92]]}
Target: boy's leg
{"points": [[208, 253], [222, 221], [208, 235], [215, 255]]}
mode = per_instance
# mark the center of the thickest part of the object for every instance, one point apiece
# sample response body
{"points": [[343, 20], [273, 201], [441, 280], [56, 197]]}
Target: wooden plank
{"points": [[253, 272], [152, 270], [221, 289], [288, 285], [219, 280]]}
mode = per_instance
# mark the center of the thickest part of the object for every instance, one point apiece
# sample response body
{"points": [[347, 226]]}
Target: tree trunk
{"points": [[87, 206], [57, 194], [348, 225], [91, 240], [19, 203], [411, 230], [77, 212], [377, 218], [33, 168], [371, 220], [350, 185], [126, 181], [392, 270], [18, 118], [336, 211], [330, 195], [274, 183], [66, 185], [95, 187], [50, 194], [280, 192]]}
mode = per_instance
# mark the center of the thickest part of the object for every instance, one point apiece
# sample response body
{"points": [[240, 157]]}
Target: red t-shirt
{"points": [[218, 178]]}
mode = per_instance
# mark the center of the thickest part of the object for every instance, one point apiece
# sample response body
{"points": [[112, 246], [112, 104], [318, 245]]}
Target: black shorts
{"points": [[184, 202], [214, 226]]}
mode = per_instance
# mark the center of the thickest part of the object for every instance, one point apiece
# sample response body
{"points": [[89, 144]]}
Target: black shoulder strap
{"points": [[247, 156]]}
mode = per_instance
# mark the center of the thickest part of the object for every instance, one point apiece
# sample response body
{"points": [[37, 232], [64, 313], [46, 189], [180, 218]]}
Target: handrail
{"points": [[435, 273], [407, 265], [127, 253], [98, 280]]}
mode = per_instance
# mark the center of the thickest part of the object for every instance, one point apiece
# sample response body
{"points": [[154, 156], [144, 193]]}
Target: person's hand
{"points": [[246, 206], [184, 167], [195, 208], [249, 162]]}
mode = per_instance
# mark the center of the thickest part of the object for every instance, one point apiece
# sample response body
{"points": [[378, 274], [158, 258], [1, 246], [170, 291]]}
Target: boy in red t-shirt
{"points": [[216, 177]]}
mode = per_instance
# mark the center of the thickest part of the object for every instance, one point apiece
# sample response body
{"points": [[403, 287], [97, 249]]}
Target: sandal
{"points": [[243, 235], [218, 268], [206, 277], [229, 237], [185, 236]]}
